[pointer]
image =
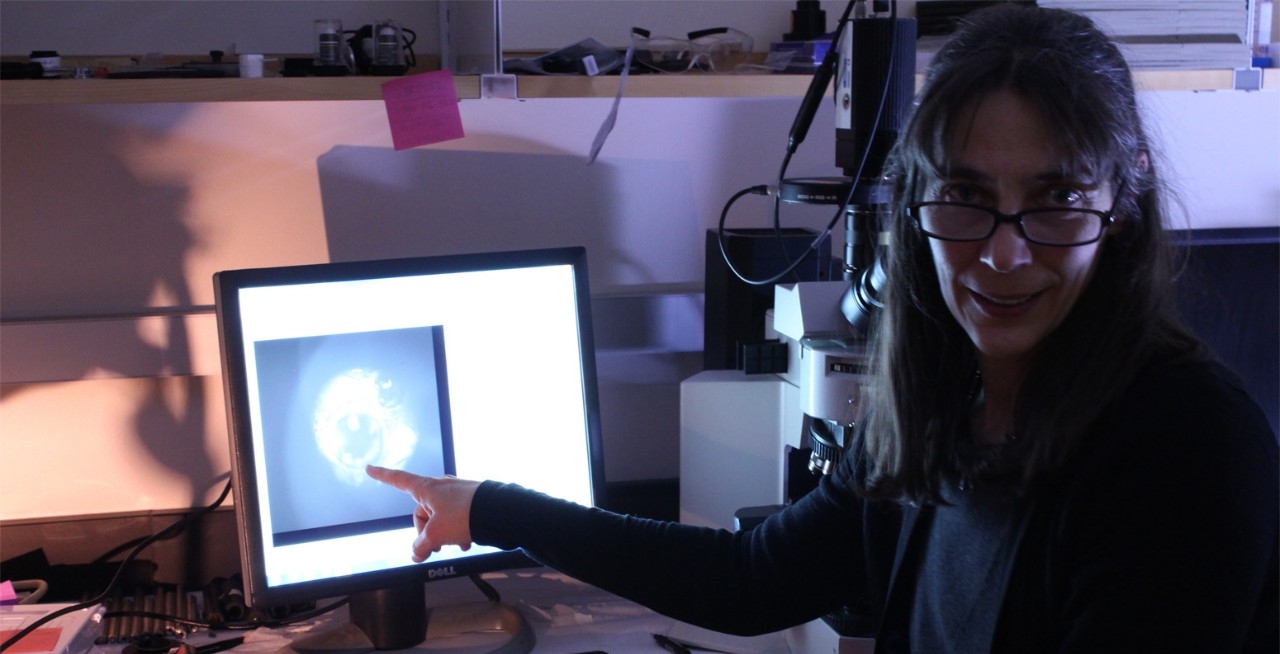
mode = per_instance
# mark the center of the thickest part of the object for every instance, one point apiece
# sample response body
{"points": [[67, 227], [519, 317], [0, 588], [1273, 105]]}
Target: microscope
{"points": [[874, 87], [761, 441], [874, 72]]}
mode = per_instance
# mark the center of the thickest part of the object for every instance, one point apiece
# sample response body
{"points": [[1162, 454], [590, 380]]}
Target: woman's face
{"points": [[1007, 293]]}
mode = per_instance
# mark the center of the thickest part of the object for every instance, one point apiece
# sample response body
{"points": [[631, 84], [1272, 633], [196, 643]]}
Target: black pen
{"points": [[211, 648], [671, 645]]}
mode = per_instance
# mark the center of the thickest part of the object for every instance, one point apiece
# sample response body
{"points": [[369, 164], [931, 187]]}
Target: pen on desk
{"points": [[211, 648], [671, 645]]}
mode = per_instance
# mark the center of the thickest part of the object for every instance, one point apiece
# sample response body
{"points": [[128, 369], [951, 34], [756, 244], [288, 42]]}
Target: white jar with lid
{"points": [[49, 60]]}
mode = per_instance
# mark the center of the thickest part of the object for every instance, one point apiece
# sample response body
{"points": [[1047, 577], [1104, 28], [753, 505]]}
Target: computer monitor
{"points": [[477, 365], [1227, 294]]}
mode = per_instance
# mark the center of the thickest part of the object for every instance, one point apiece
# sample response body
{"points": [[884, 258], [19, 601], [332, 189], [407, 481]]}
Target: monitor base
{"points": [[474, 628]]}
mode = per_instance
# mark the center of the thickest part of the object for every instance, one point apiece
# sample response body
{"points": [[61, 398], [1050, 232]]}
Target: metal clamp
{"points": [[498, 86], [1246, 79]]}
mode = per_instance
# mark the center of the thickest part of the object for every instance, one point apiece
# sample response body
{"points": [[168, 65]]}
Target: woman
{"points": [[1052, 463]]}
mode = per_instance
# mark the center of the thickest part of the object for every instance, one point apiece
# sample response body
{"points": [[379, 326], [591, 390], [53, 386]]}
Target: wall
{"points": [[112, 212], [115, 211], [194, 27], [197, 26], [549, 24], [115, 217]]}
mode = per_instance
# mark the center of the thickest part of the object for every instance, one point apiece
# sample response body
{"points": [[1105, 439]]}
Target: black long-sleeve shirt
{"points": [[1162, 536]]}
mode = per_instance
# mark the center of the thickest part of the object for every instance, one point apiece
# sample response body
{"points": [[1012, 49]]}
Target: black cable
{"points": [[724, 251], [125, 546], [176, 527], [305, 615], [152, 615], [818, 85], [799, 130], [246, 625], [490, 593], [875, 124]]}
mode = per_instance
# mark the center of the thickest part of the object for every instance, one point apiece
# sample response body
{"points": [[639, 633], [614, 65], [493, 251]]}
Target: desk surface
{"points": [[567, 616]]}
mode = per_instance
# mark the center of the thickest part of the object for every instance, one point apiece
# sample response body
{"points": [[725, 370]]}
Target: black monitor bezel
{"points": [[232, 351]]}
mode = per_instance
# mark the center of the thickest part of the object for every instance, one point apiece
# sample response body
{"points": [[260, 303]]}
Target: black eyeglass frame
{"points": [[1107, 217]]}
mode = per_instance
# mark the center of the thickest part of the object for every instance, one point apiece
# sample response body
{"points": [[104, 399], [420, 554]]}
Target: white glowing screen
{"points": [[400, 372]]}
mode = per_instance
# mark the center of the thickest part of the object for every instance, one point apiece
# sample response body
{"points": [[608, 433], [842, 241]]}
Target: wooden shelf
{"points": [[111, 91], [664, 86], [1198, 80], [233, 89], [119, 91]]}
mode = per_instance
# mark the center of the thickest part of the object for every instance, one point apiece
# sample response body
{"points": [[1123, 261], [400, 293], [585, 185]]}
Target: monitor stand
{"points": [[398, 619]]}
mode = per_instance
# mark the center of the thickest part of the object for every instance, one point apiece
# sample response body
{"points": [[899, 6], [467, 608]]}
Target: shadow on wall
{"points": [[124, 258], [124, 255]]}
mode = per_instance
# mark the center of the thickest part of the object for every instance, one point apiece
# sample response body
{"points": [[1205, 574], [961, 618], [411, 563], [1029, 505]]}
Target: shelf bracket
{"points": [[1246, 79], [502, 87]]}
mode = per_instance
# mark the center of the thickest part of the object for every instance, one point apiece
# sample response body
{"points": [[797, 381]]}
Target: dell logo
{"points": [[447, 571]]}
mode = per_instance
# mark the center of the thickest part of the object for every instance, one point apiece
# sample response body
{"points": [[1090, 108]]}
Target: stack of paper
{"points": [[1186, 34]]}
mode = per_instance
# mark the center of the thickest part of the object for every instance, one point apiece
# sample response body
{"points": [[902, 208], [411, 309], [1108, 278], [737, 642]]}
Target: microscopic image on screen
{"points": [[333, 404]]}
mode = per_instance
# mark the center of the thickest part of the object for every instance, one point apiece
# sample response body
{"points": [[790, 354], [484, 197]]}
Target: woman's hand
{"points": [[443, 515]]}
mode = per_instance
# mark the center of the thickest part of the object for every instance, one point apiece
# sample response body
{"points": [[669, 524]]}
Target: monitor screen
{"points": [[477, 365], [1226, 293]]}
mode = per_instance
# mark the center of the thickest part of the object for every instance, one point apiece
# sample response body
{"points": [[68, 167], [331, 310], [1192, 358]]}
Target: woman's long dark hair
{"points": [[1063, 65]]}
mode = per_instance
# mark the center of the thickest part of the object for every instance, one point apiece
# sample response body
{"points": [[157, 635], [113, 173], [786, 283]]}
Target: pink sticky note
{"points": [[422, 109], [7, 593]]}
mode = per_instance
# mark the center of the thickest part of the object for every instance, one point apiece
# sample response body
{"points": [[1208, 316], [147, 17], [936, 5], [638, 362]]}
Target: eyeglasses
{"points": [[1055, 226], [704, 49]]}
